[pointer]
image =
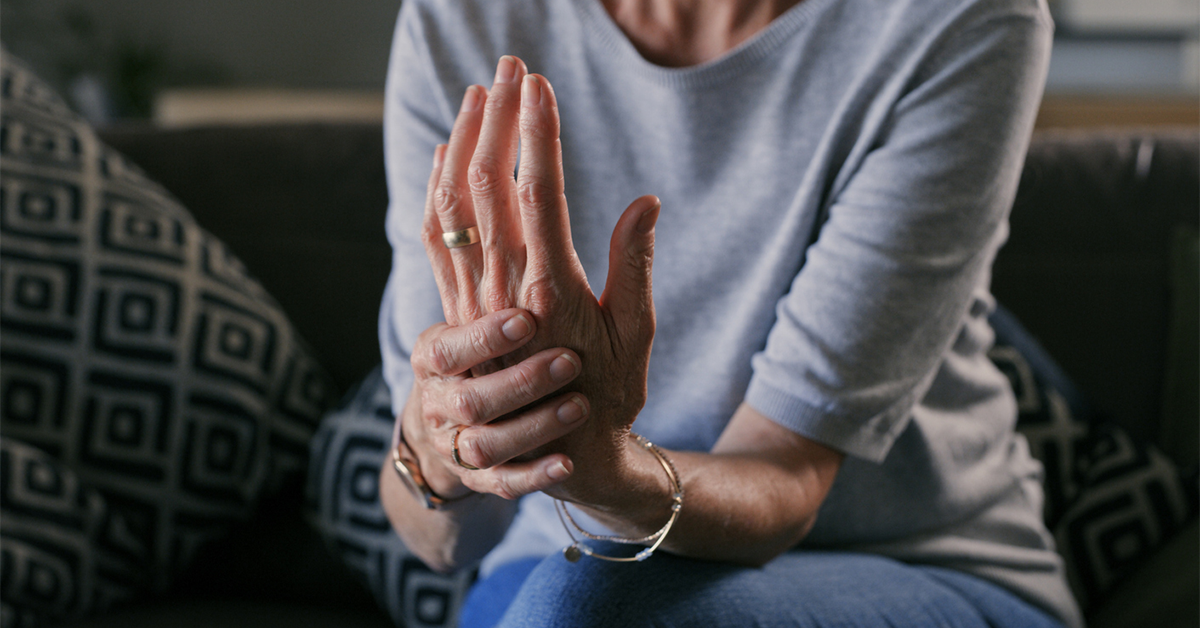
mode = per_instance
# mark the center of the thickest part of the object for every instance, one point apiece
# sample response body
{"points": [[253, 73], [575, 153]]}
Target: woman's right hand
{"points": [[512, 403]]}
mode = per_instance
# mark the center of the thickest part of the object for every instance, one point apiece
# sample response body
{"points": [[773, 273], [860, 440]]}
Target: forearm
{"points": [[754, 496]]}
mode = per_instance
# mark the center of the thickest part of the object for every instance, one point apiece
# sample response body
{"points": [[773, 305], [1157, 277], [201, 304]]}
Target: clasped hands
{"points": [[535, 379]]}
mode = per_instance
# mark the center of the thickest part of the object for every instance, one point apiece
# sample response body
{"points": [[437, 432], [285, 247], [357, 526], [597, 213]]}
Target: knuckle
{"points": [[525, 382], [429, 402], [504, 487], [536, 128], [446, 199], [480, 344], [485, 175], [496, 293], [438, 356], [433, 405], [463, 406], [475, 451], [421, 359], [543, 296], [538, 192]]}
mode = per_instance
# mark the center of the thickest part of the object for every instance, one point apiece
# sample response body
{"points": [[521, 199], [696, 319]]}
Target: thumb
{"points": [[627, 292]]}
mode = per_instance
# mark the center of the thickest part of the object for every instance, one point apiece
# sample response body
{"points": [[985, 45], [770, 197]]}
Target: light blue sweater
{"points": [[834, 191]]}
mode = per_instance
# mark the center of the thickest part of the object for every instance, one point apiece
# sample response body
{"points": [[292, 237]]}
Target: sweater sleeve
{"points": [[417, 117], [910, 234]]}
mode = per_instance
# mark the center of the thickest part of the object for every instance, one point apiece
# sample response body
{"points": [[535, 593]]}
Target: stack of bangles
{"points": [[577, 548]]}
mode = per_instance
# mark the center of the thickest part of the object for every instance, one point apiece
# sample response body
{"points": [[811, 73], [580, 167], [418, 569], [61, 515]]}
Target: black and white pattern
{"points": [[66, 552], [343, 500], [1110, 501], [136, 351], [1132, 500]]}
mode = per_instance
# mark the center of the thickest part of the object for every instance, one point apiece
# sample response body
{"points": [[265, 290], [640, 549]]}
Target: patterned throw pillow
{"points": [[138, 356], [343, 501], [66, 532], [1110, 501]]}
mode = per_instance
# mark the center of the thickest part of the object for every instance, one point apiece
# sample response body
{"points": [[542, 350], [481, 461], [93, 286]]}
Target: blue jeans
{"points": [[801, 589]]}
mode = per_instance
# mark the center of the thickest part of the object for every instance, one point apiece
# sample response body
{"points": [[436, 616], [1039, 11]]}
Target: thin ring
{"points": [[454, 449], [458, 239]]}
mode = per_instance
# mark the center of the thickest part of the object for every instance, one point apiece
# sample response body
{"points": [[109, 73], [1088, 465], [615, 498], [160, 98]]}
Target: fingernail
{"points": [[516, 327], [649, 218], [563, 367], [439, 155], [558, 471], [506, 69], [571, 411], [531, 91], [471, 99]]}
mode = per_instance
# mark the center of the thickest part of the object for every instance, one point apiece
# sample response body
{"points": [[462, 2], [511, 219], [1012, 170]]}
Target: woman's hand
{"points": [[526, 259], [445, 398]]}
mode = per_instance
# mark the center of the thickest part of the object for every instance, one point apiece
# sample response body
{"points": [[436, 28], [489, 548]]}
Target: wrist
{"points": [[652, 540], [638, 498]]}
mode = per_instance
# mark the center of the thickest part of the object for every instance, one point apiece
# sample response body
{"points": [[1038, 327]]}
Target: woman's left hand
{"points": [[527, 260]]}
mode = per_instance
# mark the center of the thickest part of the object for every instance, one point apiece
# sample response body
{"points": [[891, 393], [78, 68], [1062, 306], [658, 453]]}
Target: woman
{"points": [[832, 180]]}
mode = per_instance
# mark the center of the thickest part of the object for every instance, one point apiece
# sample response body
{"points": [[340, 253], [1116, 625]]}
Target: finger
{"points": [[482, 399], [444, 350], [517, 479], [435, 248], [628, 294], [486, 446], [543, 206], [452, 200], [493, 190]]}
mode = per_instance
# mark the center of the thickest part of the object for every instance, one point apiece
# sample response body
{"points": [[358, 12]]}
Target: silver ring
{"points": [[457, 239], [454, 450]]}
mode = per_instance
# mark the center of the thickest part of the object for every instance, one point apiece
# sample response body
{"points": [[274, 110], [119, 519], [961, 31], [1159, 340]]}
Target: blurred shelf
{"points": [[191, 107], [1075, 111]]}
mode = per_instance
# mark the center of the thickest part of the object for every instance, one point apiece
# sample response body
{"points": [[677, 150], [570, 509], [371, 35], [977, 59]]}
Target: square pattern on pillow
{"points": [[343, 501], [65, 549], [1110, 500], [136, 353]]}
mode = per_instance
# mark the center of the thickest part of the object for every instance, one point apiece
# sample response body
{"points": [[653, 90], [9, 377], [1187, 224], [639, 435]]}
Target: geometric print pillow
{"points": [[342, 495], [1110, 501], [58, 535], [137, 354], [1132, 500]]}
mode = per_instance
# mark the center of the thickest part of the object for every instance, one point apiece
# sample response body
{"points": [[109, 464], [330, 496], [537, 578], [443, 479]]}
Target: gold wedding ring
{"points": [[454, 448], [457, 239]]}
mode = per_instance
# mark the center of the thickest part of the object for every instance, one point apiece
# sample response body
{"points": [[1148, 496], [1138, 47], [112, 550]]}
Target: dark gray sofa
{"points": [[1085, 270]]}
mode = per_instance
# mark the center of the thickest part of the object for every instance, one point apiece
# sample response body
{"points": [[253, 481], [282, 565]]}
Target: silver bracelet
{"points": [[577, 548]]}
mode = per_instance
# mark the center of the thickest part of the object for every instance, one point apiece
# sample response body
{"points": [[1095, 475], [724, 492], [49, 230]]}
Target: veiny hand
{"points": [[526, 260]]}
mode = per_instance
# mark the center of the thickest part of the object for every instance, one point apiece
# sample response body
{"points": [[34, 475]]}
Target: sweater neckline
{"points": [[740, 59]]}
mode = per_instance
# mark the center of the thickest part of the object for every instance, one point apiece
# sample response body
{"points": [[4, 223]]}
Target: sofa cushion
{"points": [[1086, 264], [343, 499], [1179, 431], [137, 353], [1111, 500]]}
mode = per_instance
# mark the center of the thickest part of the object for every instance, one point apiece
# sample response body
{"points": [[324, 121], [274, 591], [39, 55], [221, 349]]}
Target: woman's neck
{"points": [[680, 33]]}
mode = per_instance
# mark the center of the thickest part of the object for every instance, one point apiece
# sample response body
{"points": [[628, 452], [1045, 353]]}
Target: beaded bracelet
{"points": [[577, 548]]}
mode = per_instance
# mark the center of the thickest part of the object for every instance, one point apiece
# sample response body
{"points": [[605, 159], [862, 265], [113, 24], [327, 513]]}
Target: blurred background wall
{"points": [[132, 51], [1132, 62]]}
